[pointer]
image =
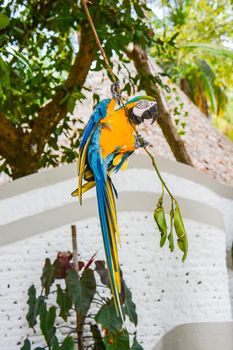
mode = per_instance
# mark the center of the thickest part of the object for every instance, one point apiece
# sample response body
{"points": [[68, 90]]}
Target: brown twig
{"points": [[108, 66], [75, 248], [79, 319], [84, 3]]}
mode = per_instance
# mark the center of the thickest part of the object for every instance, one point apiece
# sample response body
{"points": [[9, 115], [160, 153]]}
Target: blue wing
{"points": [[99, 113]]}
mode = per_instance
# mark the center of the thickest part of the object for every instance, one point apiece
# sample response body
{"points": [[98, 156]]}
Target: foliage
{"points": [[193, 46], [79, 295], [40, 43]]}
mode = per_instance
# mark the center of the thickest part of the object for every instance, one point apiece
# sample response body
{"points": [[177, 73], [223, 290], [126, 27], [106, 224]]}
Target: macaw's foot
{"points": [[140, 142], [115, 90]]}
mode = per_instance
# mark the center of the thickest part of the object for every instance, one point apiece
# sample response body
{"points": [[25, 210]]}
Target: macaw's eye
{"points": [[143, 110]]}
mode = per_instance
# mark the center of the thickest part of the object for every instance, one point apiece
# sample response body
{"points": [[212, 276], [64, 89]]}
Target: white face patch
{"points": [[141, 107]]}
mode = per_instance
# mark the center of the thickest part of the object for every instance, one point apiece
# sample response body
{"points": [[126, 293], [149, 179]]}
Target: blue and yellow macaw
{"points": [[108, 140]]}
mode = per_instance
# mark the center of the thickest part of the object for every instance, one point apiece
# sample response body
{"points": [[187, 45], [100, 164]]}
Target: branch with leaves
{"points": [[41, 84], [23, 149]]}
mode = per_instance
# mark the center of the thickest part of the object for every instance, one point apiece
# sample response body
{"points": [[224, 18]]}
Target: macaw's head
{"points": [[141, 108]]}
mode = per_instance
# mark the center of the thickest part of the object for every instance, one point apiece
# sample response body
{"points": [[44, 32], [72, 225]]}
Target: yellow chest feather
{"points": [[118, 133]]}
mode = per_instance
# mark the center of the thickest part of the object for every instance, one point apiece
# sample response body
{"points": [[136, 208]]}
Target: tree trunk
{"points": [[175, 142], [184, 85], [200, 100]]}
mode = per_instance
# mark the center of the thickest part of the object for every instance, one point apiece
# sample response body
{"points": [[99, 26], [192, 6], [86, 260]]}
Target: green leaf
{"points": [[55, 344], [67, 344], [4, 74], [3, 39], [207, 77], [215, 50], [34, 304], [72, 98], [159, 217], [71, 103], [26, 345], [99, 344], [20, 57], [3, 66], [81, 290], [182, 240], [138, 10], [64, 301], [130, 307], [173, 38], [136, 345], [4, 20], [170, 236], [78, 95], [108, 318], [96, 98], [119, 341], [48, 276], [47, 319]]}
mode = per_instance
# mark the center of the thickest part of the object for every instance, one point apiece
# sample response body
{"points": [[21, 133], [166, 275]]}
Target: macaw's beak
{"points": [[142, 110], [151, 113]]}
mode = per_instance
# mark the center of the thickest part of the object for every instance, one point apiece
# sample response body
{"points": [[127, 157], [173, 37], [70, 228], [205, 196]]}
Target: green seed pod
{"points": [[182, 240], [170, 236], [160, 219]]}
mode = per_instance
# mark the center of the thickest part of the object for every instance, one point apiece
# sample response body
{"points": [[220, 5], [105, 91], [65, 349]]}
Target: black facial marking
{"points": [[143, 110]]}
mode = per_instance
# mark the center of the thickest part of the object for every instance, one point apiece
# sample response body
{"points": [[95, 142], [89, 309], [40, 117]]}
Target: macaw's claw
{"points": [[140, 142], [115, 90]]}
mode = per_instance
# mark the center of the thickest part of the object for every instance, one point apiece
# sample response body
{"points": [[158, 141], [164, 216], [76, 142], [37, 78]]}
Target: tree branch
{"points": [[10, 137], [139, 56], [54, 111]]}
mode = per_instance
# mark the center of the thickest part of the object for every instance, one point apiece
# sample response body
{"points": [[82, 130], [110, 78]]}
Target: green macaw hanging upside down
{"points": [[108, 141]]}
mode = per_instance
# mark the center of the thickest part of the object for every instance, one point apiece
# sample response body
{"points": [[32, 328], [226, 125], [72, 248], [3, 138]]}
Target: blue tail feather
{"points": [[102, 206]]}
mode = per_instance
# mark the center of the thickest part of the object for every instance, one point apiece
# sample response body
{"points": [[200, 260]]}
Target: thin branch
{"points": [[72, 328], [79, 318], [75, 248], [108, 67]]}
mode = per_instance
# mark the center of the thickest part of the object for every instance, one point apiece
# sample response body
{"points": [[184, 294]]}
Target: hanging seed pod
{"points": [[159, 217], [182, 240], [170, 236]]}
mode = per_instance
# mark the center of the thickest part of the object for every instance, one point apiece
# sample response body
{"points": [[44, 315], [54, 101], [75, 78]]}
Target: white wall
{"points": [[166, 291]]}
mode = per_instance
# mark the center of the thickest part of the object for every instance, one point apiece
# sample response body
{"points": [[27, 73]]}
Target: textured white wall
{"points": [[50, 197], [166, 291]]}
